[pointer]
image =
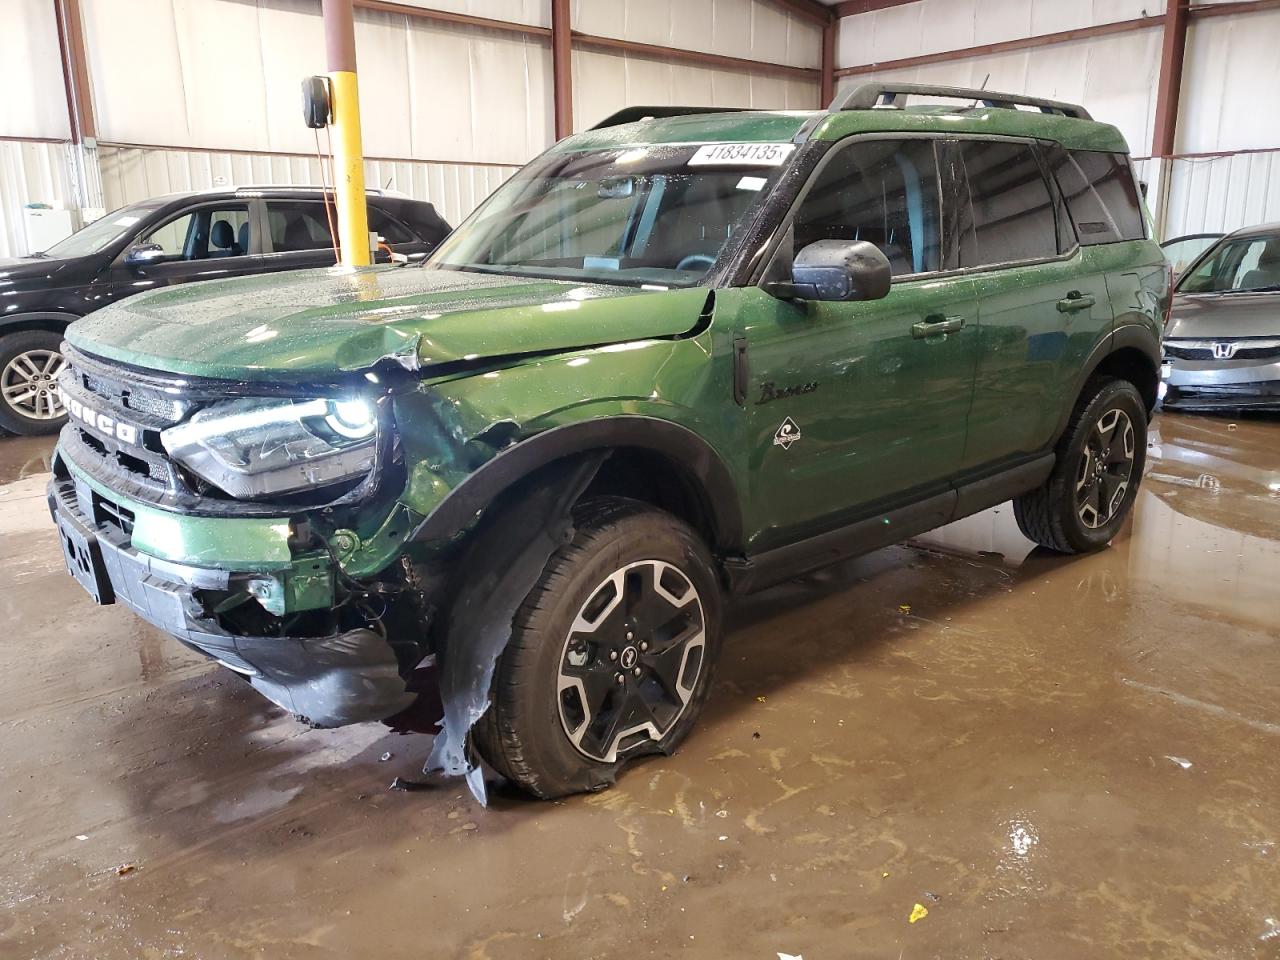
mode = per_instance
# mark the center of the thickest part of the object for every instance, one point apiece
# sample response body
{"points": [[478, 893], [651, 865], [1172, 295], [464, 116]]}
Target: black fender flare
{"points": [[1134, 336], [55, 321], [683, 446]]}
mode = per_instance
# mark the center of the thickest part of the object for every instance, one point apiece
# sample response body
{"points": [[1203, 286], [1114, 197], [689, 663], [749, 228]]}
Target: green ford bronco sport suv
{"points": [[686, 354]]}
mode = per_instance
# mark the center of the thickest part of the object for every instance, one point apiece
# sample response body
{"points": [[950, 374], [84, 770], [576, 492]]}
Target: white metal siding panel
{"points": [[1114, 76], [938, 26], [1223, 193], [428, 91], [35, 101], [606, 82], [30, 172], [130, 174], [1230, 81], [755, 29], [536, 13]]}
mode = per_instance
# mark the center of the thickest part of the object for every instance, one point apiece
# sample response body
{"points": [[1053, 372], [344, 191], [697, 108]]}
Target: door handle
{"points": [[935, 326], [1075, 300]]}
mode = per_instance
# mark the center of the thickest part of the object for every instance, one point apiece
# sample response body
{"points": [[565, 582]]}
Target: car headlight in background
{"points": [[255, 448]]}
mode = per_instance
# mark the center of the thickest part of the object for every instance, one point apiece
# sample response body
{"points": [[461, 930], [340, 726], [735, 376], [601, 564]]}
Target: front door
{"points": [[204, 242], [854, 408]]}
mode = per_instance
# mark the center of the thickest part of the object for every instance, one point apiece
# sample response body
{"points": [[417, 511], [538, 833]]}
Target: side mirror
{"points": [[141, 254], [840, 270]]}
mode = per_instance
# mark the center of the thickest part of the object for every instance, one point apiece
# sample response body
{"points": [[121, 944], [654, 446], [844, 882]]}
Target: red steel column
{"points": [[827, 89], [1169, 86], [562, 67]]}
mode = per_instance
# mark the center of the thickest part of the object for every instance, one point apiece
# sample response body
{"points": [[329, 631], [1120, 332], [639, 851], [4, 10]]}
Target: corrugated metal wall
{"points": [[134, 173], [1231, 74], [30, 171], [201, 93]]}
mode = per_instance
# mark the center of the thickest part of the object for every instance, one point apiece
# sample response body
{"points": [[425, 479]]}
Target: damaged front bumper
{"points": [[328, 681]]}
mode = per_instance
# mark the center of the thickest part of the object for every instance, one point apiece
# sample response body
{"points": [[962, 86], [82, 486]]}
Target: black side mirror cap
{"points": [[838, 270]]}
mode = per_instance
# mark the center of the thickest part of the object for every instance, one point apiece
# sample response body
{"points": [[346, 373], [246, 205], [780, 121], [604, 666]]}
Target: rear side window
{"points": [[1101, 194], [1013, 209], [882, 191], [298, 225]]}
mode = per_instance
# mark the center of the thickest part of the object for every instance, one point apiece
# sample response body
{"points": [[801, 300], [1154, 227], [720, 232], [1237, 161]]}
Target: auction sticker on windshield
{"points": [[741, 154]]}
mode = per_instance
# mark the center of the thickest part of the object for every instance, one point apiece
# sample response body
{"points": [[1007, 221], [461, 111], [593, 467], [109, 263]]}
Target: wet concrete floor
{"points": [[1054, 757]]}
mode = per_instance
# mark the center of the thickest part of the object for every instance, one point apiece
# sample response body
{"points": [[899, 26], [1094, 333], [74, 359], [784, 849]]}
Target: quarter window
{"points": [[1101, 195], [881, 191], [1013, 210], [298, 225]]}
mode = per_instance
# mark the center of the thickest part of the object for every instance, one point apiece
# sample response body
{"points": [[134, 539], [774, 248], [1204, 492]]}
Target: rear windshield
{"points": [[1101, 195]]}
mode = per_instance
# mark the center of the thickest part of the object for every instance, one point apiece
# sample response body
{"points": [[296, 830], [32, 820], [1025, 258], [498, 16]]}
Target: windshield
{"points": [[1237, 266], [102, 233], [657, 215], [1182, 252]]}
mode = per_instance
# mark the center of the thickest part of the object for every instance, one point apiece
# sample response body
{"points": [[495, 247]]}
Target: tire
{"points": [[30, 359], [1095, 453], [549, 728]]}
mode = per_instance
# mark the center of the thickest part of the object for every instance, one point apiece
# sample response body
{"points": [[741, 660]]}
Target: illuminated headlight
{"points": [[261, 448]]}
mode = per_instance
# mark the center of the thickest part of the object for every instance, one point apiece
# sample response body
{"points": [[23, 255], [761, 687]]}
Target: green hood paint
{"points": [[322, 322]]}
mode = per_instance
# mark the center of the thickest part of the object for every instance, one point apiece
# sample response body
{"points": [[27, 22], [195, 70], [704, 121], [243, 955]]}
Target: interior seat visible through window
{"points": [[881, 191]]}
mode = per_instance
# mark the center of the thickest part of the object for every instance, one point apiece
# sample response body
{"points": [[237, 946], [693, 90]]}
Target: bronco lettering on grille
{"points": [[124, 432]]}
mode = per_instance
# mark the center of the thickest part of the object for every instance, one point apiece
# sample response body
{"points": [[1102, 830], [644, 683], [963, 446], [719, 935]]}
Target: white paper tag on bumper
{"points": [[742, 155]]}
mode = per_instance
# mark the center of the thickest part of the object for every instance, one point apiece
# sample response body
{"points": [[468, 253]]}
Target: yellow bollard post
{"points": [[348, 153]]}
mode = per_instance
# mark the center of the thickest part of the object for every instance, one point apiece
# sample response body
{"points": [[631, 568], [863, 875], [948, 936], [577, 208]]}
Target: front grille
{"points": [[116, 418], [125, 396], [1262, 348]]}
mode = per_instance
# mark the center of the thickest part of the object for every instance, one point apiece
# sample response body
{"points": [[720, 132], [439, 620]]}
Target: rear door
{"points": [[298, 234], [1043, 304]]}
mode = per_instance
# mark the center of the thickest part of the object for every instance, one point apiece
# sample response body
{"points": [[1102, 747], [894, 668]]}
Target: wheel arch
{"points": [[51, 320], [650, 459], [1131, 353]]}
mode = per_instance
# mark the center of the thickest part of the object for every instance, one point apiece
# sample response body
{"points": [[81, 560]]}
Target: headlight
{"points": [[258, 448]]}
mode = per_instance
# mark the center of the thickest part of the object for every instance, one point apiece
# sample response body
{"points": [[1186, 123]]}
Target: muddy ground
{"points": [[1056, 758]]}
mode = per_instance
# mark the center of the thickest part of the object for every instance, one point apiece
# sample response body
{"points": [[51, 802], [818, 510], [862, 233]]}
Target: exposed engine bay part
{"points": [[498, 573]]}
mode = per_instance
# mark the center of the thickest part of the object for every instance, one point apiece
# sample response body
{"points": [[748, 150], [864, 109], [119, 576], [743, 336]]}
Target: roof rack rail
{"points": [[888, 94], [632, 114]]}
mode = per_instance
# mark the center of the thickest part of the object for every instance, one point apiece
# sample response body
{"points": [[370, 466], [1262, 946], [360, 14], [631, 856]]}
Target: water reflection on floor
{"points": [[1055, 757]]}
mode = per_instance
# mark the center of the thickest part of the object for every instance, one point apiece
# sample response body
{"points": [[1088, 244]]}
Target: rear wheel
{"points": [[610, 655], [1094, 482], [30, 362]]}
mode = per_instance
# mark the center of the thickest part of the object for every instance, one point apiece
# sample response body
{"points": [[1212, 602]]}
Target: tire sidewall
{"points": [[646, 534], [11, 345], [1116, 394]]}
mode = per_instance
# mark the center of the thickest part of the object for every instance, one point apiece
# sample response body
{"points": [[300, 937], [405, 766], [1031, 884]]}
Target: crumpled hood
{"points": [[321, 322], [1210, 316]]}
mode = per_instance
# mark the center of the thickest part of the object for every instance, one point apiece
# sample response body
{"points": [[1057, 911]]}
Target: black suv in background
{"points": [[177, 238]]}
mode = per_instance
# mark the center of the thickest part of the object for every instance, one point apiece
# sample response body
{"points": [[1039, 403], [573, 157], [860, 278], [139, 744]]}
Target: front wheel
{"points": [[30, 362], [1095, 479], [610, 655]]}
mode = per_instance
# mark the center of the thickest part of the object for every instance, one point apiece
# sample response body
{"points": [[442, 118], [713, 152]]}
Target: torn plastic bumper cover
{"points": [[513, 553], [329, 680]]}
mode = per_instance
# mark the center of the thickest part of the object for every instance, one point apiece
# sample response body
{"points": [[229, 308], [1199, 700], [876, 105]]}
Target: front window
{"points": [[102, 233], [657, 215], [1247, 264]]}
